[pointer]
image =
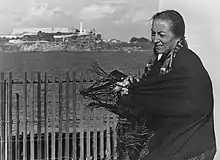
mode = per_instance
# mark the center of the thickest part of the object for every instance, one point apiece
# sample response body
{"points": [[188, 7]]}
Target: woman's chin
{"points": [[158, 51]]}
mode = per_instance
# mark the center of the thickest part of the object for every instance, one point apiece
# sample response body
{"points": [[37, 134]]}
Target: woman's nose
{"points": [[156, 39]]}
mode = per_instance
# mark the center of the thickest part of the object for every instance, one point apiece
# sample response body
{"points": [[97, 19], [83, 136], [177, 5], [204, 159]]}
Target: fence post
{"points": [[88, 137], [81, 121], [17, 150], [32, 108], [108, 147], [67, 117], [115, 138], [39, 156], [81, 133], [74, 115], [25, 117], [10, 116], [46, 144], [102, 126], [2, 116], [53, 149], [60, 122], [95, 150], [2, 94], [6, 121]]}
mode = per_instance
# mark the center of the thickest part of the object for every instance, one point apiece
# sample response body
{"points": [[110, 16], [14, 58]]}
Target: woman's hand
{"points": [[123, 86]]}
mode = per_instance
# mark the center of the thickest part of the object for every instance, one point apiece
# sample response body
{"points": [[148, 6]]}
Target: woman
{"points": [[174, 97]]}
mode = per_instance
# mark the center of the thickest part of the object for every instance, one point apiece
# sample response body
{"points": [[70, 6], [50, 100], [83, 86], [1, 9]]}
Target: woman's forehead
{"points": [[161, 25]]}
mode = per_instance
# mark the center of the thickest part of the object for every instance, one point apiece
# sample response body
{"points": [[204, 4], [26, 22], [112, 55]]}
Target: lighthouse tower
{"points": [[81, 28]]}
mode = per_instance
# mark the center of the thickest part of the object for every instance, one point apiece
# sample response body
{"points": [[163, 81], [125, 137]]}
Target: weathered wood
{"points": [[108, 147], [81, 121], [46, 142], [10, 116], [32, 107], [25, 117], [4, 121], [95, 149], [67, 117], [102, 135], [62, 145], [39, 155], [74, 115], [60, 123], [88, 137], [115, 137], [2, 136], [81, 133], [53, 115], [17, 141]]}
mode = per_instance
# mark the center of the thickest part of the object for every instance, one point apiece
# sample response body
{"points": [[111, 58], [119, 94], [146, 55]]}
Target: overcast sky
{"points": [[113, 18]]}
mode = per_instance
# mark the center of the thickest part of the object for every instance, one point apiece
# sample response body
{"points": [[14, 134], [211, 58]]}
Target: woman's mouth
{"points": [[159, 46]]}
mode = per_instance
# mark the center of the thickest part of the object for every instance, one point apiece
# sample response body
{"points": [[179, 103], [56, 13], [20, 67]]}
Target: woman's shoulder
{"points": [[189, 59], [188, 55]]}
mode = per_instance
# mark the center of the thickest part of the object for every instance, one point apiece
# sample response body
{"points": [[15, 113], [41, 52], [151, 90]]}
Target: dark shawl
{"points": [[179, 108]]}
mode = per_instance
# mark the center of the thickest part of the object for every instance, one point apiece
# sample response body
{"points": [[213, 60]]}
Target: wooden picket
{"points": [[10, 116], [2, 113], [67, 117], [46, 142], [32, 106], [25, 118], [53, 148], [74, 147], [17, 141]]}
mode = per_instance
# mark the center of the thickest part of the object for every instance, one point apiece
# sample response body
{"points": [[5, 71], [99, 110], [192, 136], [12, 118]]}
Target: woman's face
{"points": [[162, 36]]}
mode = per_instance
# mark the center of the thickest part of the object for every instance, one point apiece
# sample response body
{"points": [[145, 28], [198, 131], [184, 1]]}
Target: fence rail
{"points": [[43, 116]]}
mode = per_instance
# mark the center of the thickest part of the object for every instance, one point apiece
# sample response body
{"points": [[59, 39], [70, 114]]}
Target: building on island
{"points": [[21, 32], [34, 31]]}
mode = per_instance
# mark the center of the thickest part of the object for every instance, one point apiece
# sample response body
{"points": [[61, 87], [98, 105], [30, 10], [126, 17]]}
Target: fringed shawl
{"points": [[177, 105]]}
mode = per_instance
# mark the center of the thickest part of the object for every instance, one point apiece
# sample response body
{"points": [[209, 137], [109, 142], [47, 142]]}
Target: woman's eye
{"points": [[153, 33], [162, 35]]}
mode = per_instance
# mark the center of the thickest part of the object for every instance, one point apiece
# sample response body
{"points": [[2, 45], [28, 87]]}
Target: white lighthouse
{"points": [[81, 30], [81, 27]]}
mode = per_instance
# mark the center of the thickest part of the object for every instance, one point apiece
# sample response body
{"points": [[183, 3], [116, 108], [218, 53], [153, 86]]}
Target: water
{"points": [[59, 62]]}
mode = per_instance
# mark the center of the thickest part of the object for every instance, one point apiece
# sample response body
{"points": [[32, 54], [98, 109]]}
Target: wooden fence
{"points": [[43, 116]]}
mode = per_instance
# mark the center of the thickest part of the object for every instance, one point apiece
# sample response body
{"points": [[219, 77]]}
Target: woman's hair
{"points": [[177, 21]]}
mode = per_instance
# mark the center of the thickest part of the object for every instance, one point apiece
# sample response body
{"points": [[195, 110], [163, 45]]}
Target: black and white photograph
{"points": [[109, 80]]}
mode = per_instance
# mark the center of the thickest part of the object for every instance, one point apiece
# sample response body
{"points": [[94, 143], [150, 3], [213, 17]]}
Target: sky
{"points": [[112, 18]]}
